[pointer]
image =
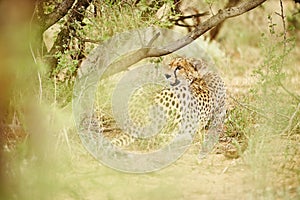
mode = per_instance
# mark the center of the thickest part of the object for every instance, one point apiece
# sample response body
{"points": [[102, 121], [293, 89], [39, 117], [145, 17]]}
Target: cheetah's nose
{"points": [[167, 76], [175, 83]]}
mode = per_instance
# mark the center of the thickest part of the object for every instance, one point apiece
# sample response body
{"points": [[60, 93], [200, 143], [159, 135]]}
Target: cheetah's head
{"points": [[181, 69]]}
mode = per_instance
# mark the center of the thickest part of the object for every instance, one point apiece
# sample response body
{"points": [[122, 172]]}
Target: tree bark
{"points": [[44, 21], [47, 20], [68, 30]]}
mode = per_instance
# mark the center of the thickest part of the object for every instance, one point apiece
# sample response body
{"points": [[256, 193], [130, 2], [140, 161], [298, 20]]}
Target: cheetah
{"points": [[194, 99], [207, 89], [208, 93]]}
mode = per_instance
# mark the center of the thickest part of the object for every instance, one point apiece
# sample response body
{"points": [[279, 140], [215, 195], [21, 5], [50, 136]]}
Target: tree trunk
{"points": [[68, 31]]}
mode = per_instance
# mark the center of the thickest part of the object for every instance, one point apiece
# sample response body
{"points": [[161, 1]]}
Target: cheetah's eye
{"points": [[178, 68]]}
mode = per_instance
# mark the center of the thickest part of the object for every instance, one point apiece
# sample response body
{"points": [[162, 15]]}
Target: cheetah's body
{"points": [[195, 97], [207, 89]]}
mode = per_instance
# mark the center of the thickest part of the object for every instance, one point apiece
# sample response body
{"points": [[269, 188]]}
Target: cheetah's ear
{"points": [[200, 65], [193, 64]]}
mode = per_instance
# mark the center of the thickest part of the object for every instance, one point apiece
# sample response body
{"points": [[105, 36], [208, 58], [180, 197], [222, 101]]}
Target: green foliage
{"points": [[112, 18], [269, 91], [294, 19], [276, 107], [49, 6], [67, 66], [238, 120]]}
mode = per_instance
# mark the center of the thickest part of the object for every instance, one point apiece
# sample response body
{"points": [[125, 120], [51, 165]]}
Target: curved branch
{"points": [[147, 52], [205, 26], [59, 12], [215, 31]]}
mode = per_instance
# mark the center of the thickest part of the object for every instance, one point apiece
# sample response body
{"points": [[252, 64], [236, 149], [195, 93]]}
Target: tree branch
{"points": [[147, 51], [59, 12], [224, 14], [215, 31]]}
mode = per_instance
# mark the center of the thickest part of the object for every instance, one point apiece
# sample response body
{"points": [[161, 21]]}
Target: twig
{"points": [[55, 90], [293, 129], [248, 108], [184, 25], [180, 18], [225, 170], [284, 25], [281, 14], [88, 40], [210, 8], [41, 87], [91, 40], [67, 140], [153, 39], [256, 110], [289, 126], [289, 92], [30, 31]]}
